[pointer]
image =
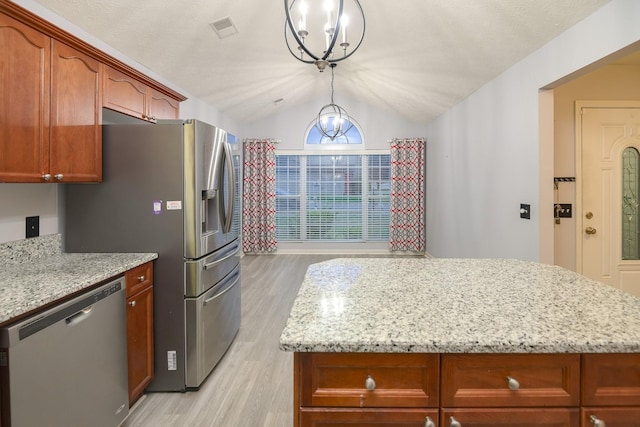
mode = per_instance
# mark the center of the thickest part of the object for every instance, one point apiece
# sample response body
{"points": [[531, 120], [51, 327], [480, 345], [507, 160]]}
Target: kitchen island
{"points": [[435, 342]]}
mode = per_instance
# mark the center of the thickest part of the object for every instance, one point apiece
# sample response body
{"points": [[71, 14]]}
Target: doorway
{"points": [[607, 186]]}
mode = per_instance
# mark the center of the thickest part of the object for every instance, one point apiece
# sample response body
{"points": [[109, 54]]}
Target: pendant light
{"points": [[333, 121], [319, 35]]}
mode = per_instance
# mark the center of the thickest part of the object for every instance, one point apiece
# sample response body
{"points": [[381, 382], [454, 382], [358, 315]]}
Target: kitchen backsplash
{"points": [[26, 250]]}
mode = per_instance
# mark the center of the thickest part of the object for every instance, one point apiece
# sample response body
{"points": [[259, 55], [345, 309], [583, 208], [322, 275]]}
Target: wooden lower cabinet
{"points": [[510, 380], [511, 417], [610, 390], [336, 417], [139, 329], [610, 417], [466, 390]]}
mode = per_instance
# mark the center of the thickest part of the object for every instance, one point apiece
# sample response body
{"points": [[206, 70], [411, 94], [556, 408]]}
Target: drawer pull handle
{"points": [[429, 422], [596, 422], [513, 383], [370, 384], [132, 303], [140, 278], [454, 423]]}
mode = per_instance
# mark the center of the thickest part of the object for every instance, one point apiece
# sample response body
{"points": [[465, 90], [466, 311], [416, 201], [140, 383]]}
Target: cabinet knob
{"points": [[141, 278], [596, 422], [370, 384], [513, 383], [46, 176], [58, 176], [132, 303], [454, 423], [429, 422], [590, 230]]}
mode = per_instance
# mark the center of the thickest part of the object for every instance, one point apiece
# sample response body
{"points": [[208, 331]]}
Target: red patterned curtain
{"points": [[407, 221], [259, 196]]}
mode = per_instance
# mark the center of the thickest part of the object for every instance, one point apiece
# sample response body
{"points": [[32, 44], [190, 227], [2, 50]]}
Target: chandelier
{"points": [[333, 121], [321, 32]]}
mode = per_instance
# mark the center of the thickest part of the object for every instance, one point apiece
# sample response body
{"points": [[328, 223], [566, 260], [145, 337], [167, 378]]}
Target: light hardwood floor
{"points": [[252, 385]]}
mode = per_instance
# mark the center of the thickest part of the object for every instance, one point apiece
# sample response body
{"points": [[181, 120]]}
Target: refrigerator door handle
{"points": [[231, 251], [225, 287], [228, 214]]}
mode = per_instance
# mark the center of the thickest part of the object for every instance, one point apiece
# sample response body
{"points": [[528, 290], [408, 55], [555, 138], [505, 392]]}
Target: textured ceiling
{"points": [[418, 58]]}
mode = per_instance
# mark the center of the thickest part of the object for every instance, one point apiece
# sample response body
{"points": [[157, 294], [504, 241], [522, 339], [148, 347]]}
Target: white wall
{"points": [[289, 125], [18, 201], [482, 156]]}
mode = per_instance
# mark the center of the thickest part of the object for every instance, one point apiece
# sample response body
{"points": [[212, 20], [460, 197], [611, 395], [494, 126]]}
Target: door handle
{"points": [[590, 230]]}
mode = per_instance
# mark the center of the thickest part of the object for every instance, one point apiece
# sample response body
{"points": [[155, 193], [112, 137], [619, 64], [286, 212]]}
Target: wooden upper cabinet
{"points": [[162, 106], [24, 104], [49, 109], [52, 90], [76, 135], [129, 96]]}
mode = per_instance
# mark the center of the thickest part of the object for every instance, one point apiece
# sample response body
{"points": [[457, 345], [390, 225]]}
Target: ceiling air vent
{"points": [[224, 27]]}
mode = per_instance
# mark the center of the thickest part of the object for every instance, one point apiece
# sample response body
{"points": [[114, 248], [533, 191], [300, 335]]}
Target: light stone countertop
{"points": [[458, 306], [35, 272]]}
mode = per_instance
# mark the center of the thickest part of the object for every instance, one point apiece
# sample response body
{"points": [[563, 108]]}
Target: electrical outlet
{"points": [[525, 211], [32, 226]]}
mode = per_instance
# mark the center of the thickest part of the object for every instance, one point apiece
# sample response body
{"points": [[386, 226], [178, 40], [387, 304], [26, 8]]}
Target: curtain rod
{"points": [[274, 141], [389, 141]]}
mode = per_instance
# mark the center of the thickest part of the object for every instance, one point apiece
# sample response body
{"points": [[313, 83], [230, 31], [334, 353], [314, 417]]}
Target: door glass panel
{"points": [[630, 218]]}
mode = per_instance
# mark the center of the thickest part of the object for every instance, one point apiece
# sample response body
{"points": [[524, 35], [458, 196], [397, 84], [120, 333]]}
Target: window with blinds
{"points": [[332, 197]]}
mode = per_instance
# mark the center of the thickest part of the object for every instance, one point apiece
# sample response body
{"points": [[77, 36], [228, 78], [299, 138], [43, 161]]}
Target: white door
{"points": [[608, 147]]}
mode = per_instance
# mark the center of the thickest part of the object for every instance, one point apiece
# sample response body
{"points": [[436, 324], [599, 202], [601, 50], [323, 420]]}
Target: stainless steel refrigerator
{"points": [[171, 188]]}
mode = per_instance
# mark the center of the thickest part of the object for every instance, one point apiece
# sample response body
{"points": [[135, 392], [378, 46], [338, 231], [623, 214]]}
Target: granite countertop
{"points": [[458, 306], [35, 272]]}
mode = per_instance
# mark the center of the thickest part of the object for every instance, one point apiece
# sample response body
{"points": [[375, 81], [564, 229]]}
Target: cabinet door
{"points": [[76, 136], [516, 417], [381, 417], [25, 55], [140, 342], [124, 94], [162, 106]]}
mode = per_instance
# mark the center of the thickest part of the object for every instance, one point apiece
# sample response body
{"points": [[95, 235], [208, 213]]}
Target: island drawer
{"points": [[138, 278], [368, 380], [509, 380], [520, 417], [611, 380], [340, 417], [611, 417]]}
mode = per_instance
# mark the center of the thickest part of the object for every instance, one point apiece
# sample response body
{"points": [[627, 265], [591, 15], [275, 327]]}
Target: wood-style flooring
{"points": [[252, 386]]}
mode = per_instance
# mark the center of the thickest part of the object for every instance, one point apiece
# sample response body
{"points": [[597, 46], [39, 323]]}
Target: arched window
{"points": [[353, 139], [334, 192]]}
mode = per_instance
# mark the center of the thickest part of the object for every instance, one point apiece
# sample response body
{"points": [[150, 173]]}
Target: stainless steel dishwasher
{"points": [[67, 366]]}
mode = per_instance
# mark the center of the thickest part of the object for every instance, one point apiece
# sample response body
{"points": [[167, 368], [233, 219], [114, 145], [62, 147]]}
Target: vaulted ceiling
{"points": [[419, 57]]}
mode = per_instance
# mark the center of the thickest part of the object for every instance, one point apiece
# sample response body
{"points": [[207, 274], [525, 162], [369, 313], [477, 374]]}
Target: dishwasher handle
{"points": [[79, 316]]}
